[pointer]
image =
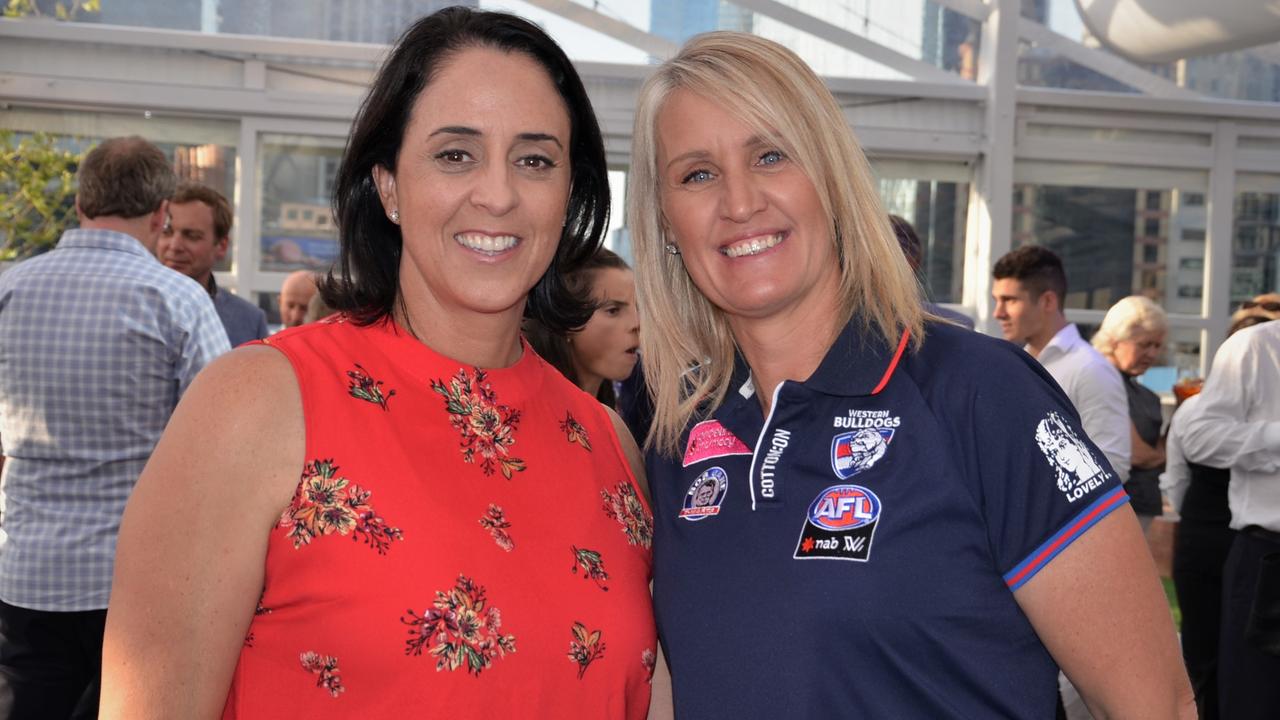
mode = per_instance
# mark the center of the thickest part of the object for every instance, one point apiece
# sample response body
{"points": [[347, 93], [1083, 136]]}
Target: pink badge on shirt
{"points": [[709, 439]]}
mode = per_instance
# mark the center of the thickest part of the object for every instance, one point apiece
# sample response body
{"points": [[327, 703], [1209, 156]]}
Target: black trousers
{"points": [[1248, 678], [50, 663], [1199, 556]]}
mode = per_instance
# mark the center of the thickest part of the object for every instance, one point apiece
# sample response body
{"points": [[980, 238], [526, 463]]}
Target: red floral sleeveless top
{"points": [[462, 543]]}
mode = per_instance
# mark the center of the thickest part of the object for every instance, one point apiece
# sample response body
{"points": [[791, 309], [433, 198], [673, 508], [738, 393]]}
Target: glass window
{"points": [[937, 209], [1109, 248], [297, 231], [1255, 248], [201, 150]]}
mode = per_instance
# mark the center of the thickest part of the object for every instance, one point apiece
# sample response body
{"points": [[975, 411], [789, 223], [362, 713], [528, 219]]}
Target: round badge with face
{"points": [[705, 495]]}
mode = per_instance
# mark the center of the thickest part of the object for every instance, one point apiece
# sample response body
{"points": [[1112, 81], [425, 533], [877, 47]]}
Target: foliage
{"points": [[63, 11], [37, 192]]}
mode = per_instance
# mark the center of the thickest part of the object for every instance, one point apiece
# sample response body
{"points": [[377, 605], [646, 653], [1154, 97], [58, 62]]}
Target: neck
{"points": [[139, 228], [1037, 342], [781, 349], [590, 384], [480, 339]]}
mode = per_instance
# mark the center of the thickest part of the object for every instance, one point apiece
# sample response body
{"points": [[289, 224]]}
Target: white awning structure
{"points": [[1167, 30]]}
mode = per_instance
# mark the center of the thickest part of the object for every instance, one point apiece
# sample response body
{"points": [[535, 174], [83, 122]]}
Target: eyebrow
{"points": [[753, 141], [472, 132]]}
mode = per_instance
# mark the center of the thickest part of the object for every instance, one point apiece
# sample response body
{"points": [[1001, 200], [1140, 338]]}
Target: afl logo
{"points": [[844, 507]]}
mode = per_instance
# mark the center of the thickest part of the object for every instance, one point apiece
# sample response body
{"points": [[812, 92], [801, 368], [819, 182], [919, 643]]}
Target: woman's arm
{"points": [[193, 540], [631, 450], [1099, 609], [1145, 456]]}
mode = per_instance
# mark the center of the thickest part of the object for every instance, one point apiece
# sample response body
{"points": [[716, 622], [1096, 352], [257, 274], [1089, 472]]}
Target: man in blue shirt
{"points": [[98, 341], [194, 240]]}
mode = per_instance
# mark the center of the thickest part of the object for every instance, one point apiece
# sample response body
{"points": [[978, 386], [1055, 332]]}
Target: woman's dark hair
{"points": [[554, 345], [365, 284]]}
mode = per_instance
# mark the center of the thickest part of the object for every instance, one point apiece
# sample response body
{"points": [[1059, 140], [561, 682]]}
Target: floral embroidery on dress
{"points": [[495, 521], [260, 610], [585, 648], [574, 431], [648, 661], [364, 387], [326, 667], [465, 631], [487, 426], [625, 507], [325, 504], [592, 566]]}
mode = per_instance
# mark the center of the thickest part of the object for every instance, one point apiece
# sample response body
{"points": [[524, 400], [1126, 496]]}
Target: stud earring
{"points": [[672, 249], [395, 216]]}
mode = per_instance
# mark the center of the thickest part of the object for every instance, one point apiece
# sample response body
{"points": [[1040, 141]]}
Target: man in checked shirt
{"points": [[98, 341]]}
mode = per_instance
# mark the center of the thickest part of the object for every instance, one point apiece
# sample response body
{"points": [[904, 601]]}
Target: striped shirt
{"points": [[98, 341]]}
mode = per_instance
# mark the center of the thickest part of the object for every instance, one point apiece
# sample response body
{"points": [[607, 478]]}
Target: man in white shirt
{"points": [[1029, 287], [1237, 425]]}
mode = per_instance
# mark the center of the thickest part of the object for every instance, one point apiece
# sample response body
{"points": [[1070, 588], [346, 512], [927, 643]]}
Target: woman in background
{"points": [[1132, 338], [603, 351], [467, 537], [861, 512]]}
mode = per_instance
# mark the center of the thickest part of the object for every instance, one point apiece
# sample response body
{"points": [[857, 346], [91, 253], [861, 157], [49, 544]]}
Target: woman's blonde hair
{"points": [[1127, 317], [685, 341]]}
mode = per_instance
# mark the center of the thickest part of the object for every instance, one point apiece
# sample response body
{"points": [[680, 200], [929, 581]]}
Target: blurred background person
{"points": [[1198, 492], [98, 341], [467, 538], [1132, 338], [604, 351], [1030, 290], [295, 295], [913, 249], [1236, 425], [194, 241]]}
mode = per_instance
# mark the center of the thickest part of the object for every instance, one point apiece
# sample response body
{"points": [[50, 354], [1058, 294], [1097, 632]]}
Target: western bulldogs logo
{"points": [[840, 524], [1077, 470], [853, 452], [705, 495]]}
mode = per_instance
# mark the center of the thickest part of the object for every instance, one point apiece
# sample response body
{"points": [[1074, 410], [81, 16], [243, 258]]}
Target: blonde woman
{"points": [[1132, 338], [853, 514]]}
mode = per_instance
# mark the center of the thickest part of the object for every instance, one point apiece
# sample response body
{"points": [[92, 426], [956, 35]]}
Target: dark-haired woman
{"points": [[603, 351], [468, 537]]}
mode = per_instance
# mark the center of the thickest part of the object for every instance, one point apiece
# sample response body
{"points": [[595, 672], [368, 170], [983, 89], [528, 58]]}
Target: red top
{"points": [[463, 543]]}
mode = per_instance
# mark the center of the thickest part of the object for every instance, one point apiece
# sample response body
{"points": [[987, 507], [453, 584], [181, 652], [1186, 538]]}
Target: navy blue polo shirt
{"points": [[855, 553]]}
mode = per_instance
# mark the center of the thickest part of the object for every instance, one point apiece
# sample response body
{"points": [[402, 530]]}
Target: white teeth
{"points": [[488, 244], [754, 246]]}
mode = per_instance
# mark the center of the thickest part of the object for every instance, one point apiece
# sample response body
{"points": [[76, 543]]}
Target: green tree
{"points": [[61, 10], [37, 192]]}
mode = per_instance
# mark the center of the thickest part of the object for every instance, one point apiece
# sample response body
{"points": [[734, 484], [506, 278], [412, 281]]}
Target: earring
{"points": [[672, 249], [395, 216]]}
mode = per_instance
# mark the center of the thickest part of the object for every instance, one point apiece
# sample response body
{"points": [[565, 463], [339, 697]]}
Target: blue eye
{"points": [[772, 157], [696, 176]]}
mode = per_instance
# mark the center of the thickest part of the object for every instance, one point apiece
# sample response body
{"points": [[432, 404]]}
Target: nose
{"points": [[742, 197], [999, 313], [494, 190]]}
